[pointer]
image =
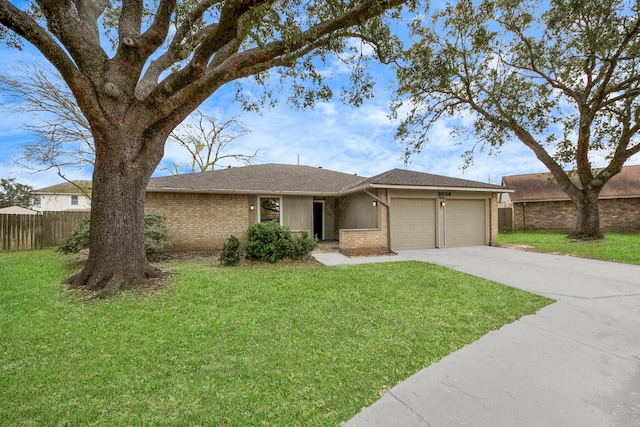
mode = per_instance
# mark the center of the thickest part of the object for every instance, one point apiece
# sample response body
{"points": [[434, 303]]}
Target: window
{"points": [[74, 200], [37, 201], [270, 209]]}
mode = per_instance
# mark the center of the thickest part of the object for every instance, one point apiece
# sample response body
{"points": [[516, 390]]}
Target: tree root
{"points": [[105, 284], [586, 237]]}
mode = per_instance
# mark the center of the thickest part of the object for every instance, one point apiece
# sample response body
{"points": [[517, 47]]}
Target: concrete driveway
{"points": [[574, 363]]}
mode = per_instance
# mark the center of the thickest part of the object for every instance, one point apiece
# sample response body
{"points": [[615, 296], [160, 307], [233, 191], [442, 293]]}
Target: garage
{"points": [[418, 210], [465, 223], [420, 223], [413, 223]]}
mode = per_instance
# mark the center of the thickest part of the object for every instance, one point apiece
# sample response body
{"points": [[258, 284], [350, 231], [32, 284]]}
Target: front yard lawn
{"points": [[619, 247], [279, 345]]}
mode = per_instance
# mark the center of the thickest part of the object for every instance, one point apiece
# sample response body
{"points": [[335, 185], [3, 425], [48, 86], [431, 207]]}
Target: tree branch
{"points": [[130, 22], [89, 11], [23, 25], [82, 43], [155, 35], [189, 87]]}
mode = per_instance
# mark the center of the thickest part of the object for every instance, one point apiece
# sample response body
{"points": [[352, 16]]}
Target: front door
{"points": [[318, 220]]}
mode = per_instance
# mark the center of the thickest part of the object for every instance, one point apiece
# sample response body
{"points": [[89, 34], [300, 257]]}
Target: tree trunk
{"points": [[587, 216], [117, 258]]}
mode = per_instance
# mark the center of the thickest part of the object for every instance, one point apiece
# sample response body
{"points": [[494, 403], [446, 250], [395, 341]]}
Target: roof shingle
{"points": [[542, 186], [402, 177], [260, 179], [65, 187], [291, 179]]}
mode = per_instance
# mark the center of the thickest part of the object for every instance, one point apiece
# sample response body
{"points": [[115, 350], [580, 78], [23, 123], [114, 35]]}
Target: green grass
{"points": [[279, 345], [619, 247]]}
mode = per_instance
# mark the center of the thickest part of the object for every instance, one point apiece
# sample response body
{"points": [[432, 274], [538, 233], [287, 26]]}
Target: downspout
{"points": [[388, 217]]}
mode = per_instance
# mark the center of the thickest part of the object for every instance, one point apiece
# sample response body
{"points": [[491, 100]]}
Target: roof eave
{"points": [[58, 193], [444, 188]]}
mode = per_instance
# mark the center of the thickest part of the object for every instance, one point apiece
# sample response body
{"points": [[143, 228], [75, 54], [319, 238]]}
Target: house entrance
{"points": [[318, 219]]}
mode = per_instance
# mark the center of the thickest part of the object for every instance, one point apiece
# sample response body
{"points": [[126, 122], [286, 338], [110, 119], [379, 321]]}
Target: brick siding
{"points": [[201, 221], [493, 220], [615, 215]]}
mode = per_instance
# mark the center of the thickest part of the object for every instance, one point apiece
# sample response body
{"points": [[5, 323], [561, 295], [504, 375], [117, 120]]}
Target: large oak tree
{"points": [[564, 81], [138, 68]]}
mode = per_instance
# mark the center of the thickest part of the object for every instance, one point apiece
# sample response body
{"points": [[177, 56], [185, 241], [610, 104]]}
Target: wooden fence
{"points": [[505, 219], [29, 232]]}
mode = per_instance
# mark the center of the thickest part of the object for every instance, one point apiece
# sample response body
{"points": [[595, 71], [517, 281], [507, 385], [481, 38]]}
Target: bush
{"points": [[156, 236], [303, 245], [231, 253], [77, 240], [269, 241]]}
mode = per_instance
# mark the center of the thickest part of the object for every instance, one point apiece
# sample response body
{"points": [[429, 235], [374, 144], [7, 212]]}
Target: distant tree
{"points": [[64, 141], [13, 193], [564, 81], [207, 141], [138, 68]]}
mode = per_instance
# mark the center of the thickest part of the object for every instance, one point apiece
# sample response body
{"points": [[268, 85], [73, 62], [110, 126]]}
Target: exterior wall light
{"points": [[374, 203], [252, 207], [443, 204]]}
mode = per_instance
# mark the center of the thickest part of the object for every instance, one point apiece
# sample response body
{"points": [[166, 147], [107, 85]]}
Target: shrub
{"points": [[77, 240], [303, 245], [269, 241], [156, 236], [231, 253]]}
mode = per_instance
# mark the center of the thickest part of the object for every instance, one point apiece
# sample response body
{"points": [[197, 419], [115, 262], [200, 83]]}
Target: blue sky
{"points": [[333, 136]]}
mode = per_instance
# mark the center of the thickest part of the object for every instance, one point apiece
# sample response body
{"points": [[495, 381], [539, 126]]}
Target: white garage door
{"points": [[466, 223], [413, 223]]}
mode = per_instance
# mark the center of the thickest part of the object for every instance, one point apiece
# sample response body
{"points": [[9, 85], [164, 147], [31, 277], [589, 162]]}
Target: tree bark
{"points": [[587, 216], [117, 258]]}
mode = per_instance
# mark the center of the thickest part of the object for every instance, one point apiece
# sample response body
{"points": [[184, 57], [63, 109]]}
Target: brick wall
{"points": [[493, 220], [620, 214], [615, 215], [367, 241], [201, 221]]}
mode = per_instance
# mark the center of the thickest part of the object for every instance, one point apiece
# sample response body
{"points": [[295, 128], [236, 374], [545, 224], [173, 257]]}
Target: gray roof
{"points": [[291, 179], [259, 179], [65, 188], [406, 178]]}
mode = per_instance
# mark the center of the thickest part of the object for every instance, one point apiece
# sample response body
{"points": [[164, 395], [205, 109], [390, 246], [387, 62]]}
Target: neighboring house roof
{"points": [[292, 179], [400, 178], [65, 188], [18, 210], [542, 186]]}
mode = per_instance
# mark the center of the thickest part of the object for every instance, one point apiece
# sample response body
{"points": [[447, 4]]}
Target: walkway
{"points": [[574, 363]]}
